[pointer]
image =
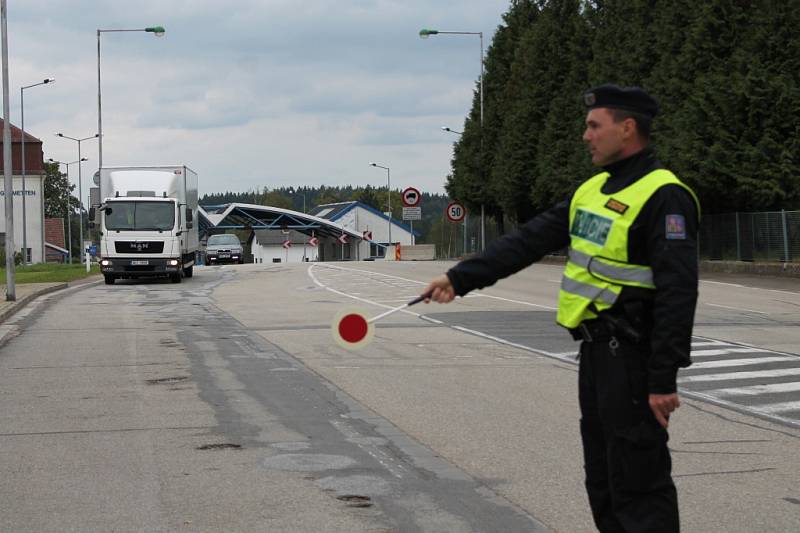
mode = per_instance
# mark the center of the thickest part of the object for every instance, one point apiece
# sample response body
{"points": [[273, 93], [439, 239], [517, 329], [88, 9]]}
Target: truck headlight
{"points": [[173, 262], [105, 262]]}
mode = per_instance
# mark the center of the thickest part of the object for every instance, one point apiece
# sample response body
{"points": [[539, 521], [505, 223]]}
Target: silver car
{"points": [[224, 248]]}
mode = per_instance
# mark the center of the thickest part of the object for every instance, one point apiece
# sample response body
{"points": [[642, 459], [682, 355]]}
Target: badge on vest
{"points": [[591, 227], [616, 206], [676, 227]]}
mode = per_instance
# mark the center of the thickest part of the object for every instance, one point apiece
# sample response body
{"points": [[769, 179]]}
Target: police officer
{"points": [[628, 292]]}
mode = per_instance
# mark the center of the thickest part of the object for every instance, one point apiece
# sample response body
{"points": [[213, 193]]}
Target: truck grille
{"points": [[139, 247]]}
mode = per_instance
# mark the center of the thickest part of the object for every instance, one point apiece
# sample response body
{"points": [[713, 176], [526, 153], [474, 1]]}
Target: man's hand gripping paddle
{"points": [[352, 330]]}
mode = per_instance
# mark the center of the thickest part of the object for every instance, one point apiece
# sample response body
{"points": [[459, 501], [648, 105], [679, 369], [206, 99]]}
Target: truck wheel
{"points": [[175, 278], [188, 272], [109, 279]]}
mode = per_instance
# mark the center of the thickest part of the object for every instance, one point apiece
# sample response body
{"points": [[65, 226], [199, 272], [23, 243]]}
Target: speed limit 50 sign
{"points": [[455, 212]]}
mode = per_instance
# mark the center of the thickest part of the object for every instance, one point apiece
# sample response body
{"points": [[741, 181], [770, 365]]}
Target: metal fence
{"points": [[766, 236]]}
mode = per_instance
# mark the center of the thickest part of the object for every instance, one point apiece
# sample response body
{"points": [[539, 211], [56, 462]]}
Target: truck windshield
{"points": [[140, 216]]}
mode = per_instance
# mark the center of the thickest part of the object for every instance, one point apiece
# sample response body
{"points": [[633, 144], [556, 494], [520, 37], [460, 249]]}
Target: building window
{"points": [[376, 251]]}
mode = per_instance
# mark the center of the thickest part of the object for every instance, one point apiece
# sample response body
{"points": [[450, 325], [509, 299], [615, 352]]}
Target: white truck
{"points": [[147, 219]]}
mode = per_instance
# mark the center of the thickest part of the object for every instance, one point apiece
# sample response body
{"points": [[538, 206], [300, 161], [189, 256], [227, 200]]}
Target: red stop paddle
{"points": [[351, 329]]}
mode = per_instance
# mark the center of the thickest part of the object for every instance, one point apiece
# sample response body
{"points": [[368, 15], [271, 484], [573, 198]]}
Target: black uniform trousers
{"points": [[627, 462]]}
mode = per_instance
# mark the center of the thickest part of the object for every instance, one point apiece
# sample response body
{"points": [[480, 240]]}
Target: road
{"points": [[223, 403]]}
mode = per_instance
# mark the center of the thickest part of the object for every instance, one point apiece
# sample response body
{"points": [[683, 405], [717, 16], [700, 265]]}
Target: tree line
{"points": [[725, 73]]}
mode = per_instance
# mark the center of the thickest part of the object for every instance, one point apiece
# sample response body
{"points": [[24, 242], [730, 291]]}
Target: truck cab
{"points": [[144, 234]]}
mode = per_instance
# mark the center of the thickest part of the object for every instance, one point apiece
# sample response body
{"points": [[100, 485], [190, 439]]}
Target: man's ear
{"points": [[629, 130]]}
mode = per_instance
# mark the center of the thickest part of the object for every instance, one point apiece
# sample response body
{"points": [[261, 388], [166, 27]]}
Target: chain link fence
{"points": [[766, 236], [763, 236]]}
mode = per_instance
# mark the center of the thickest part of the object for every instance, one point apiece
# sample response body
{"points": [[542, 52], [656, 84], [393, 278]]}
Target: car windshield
{"points": [[216, 240], [140, 216]]}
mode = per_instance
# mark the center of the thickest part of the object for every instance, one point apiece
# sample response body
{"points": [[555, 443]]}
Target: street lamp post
{"points": [[8, 188], [388, 196], [445, 128], [158, 31], [22, 149], [80, 182], [424, 33], [69, 208]]}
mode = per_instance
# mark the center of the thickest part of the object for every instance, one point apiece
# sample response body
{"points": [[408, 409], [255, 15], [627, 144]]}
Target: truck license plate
{"points": [[137, 262]]}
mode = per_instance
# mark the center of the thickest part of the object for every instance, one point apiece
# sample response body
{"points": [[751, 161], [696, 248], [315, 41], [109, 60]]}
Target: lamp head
{"points": [[158, 31], [49, 80], [84, 158], [374, 164], [424, 33], [59, 134]]}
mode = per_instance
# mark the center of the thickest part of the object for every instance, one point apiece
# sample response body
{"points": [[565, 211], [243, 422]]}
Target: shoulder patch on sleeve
{"points": [[675, 227]]}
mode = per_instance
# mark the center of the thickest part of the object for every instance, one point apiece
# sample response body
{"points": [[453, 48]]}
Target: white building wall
{"points": [[362, 220], [34, 215]]}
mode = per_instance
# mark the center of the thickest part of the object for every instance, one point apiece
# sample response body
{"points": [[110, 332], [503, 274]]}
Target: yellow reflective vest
{"points": [[598, 268]]}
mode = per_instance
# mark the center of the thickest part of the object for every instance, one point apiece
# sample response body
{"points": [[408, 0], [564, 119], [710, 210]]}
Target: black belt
{"points": [[592, 331]]}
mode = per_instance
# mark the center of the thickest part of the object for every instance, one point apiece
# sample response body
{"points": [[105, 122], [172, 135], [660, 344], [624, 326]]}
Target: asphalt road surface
{"points": [[223, 404]]}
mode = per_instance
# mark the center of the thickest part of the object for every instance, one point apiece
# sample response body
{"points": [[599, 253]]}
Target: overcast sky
{"points": [[253, 93]]}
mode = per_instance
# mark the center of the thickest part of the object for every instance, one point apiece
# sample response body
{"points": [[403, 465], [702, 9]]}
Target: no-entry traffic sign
{"points": [[411, 197], [455, 212]]}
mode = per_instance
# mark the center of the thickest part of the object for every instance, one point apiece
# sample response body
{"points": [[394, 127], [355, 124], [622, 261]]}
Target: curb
{"points": [[22, 302], [19, 304]]}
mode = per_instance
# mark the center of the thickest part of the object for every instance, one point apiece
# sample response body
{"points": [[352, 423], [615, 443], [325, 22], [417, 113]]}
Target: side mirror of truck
{"points": [[188, 215], [91, 213]]}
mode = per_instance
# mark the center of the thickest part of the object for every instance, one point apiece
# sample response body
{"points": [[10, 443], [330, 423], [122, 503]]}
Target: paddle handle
{"points": [[416, 300]]}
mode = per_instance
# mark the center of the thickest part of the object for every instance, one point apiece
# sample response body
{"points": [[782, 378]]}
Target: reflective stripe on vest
{"points": [[591, 292], [598, 266], [620, 273]]}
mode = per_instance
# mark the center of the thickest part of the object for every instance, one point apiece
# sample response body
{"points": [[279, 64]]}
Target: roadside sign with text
{"points": [[455, 212], [412, 213], [411, 197]]}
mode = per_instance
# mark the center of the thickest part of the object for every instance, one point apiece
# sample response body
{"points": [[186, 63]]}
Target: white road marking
{"points": [[717, 347], [742, 362], [723, 351], [473, 295], [753, 288], [738, 309], [755, 390], [778, 407], [755, 374], [709, 343]]}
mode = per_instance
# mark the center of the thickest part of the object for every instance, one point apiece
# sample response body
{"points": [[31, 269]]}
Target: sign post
{"points": [[456, 212], [411, 208]]}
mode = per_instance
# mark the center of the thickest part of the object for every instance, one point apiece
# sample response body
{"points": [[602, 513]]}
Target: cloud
{"points": [[254, 93]]}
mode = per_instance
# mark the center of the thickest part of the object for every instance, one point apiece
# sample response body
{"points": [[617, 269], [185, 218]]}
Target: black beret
{"points": [[633, 99]]}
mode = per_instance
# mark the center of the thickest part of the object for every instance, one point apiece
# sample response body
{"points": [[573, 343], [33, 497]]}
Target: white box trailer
{"points": [[148, 222]]}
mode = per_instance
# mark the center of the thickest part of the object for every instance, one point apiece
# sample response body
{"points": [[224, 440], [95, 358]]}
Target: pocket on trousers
{"points": [[642, 457]]}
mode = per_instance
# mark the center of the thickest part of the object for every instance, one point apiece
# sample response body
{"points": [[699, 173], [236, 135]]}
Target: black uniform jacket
{"points": [[663, 236]]}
